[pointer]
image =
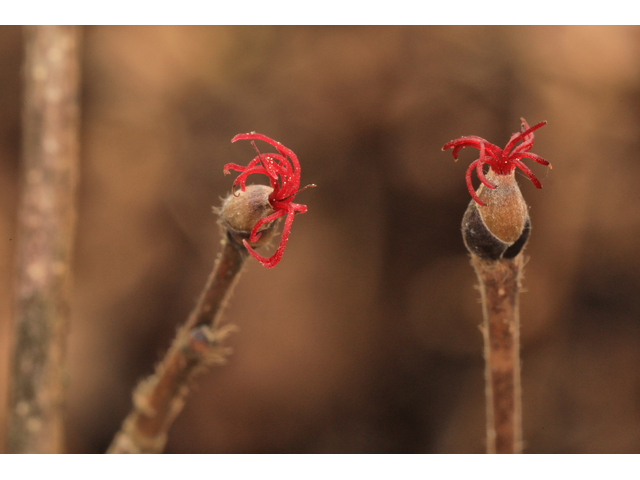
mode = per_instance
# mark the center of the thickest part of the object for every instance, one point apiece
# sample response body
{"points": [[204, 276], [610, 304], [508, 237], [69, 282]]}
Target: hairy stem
{"points": [[46, 221], [499, 287], [159, 399]]}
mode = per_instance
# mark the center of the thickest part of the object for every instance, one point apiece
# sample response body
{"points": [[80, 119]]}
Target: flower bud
{"points": [[241, 210], [501, 228]]}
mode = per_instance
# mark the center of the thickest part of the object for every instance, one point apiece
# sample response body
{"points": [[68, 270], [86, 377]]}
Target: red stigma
{"points": [[501, 161], [283, 171]]}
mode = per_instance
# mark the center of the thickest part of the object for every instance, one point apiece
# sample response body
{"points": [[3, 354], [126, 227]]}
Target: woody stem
{"points": [[159, 399], [499, 286], [46, 226]]}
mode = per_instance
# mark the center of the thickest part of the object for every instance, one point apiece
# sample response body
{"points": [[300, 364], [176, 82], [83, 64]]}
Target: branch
{"points": [[248, 219], [159, 399], [499, 287], [46, 222]]}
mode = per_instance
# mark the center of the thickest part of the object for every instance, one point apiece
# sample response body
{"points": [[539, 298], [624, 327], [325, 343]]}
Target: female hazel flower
{"points": [[502, 161], [496, 223], [283, 171]]}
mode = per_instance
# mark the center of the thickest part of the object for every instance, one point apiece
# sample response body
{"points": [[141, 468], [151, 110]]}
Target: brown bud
{"points": [[501, 228], [241, 211]]}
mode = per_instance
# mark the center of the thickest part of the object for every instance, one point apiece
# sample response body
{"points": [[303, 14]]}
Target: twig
{"points": [[248, 218], [499, 286], [495, 229], [159, 399], [46, 221]]}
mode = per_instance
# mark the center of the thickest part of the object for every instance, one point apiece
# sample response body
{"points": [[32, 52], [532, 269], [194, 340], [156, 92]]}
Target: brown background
{"points": [[364, 338]]}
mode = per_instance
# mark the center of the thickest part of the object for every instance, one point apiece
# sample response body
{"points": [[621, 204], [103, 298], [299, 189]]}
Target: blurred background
{"points": [[364, 339]]}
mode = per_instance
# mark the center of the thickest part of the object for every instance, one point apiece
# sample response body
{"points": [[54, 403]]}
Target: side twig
{"points": [[499, 286], [248, 219], [46, 221], [495, 229], [159, 399]]}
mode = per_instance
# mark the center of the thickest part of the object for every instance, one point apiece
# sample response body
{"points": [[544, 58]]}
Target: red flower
{"points": [[283, 171], [501, 161]]}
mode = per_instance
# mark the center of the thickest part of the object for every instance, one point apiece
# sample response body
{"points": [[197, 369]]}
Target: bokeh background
{"points": [[364, 339]]}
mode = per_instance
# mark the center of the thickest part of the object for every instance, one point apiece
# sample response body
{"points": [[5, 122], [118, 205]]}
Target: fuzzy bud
{"points": [[501, 228], [241, 210]]}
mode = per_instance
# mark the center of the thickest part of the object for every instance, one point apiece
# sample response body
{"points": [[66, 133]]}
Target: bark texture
{"points": [[499, 287], [159, 399], [46, 221]]}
